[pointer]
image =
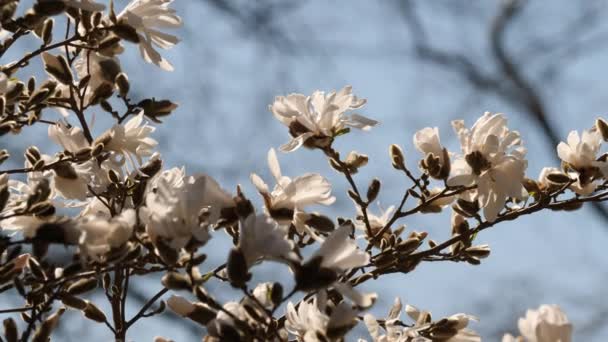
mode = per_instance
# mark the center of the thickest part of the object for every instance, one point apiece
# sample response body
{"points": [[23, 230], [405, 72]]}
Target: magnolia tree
{"points": [[122, 214]]}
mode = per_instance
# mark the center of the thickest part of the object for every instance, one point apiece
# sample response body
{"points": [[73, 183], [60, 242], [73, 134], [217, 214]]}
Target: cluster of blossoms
{"points": [[121, 214]]}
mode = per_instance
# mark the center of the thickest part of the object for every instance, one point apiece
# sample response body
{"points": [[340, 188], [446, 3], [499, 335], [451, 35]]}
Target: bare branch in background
{"points": [[510, 83], [259, 19]]}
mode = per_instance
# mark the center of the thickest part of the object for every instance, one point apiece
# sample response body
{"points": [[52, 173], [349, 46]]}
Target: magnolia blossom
{"points": [[262, 238], [336, 255], [436, 159], [339, 252], [580, 153], [173, 178], [396, 332], [148, 17], [90, 173], [376, 222], [263, 295], [71, 180], [393, 331], [132, 139], [546, 324], [178, 214], [493, 160], [310, 319], [315, 120], [100, 236], [95, 207], [457, 323], [223, 319], [71, 138], [289, 194]]}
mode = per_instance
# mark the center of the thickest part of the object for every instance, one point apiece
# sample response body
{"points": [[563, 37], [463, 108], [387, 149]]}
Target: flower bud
{"points": [[320, 222], [408, 246], [4, 196], [126, 32], [479, 252], [176, 281], [237, 269], [276, 294], [373, 190], [10, 330], [602, 127], [180, 305], [4, 155], [58, 67], [36, 269], [558, 178], [122, 82], [74, 302], [45, 329], [397, 158], [47, 31], [82, 286], [65, 170], [355, 160], [94, 313]]}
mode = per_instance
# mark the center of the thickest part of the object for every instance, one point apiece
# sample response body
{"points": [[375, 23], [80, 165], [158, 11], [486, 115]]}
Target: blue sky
{"points": [[225, 76]]}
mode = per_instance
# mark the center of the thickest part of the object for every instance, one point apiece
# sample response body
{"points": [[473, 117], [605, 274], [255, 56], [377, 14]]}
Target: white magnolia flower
{"points": [[173, 178], [394, 333], [317, 119], [547, 324], [148, 17], [427, 142], [310, 319], [457, 322], [339, 253], [71, 138], [178, 214], [95, 208], [236, 309], [100, 236], [262, 238], [443, 200], [580, 154], [289, 194], [493, 160], [376, 222], [132, 139], [263, 293], [71, 180]]}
